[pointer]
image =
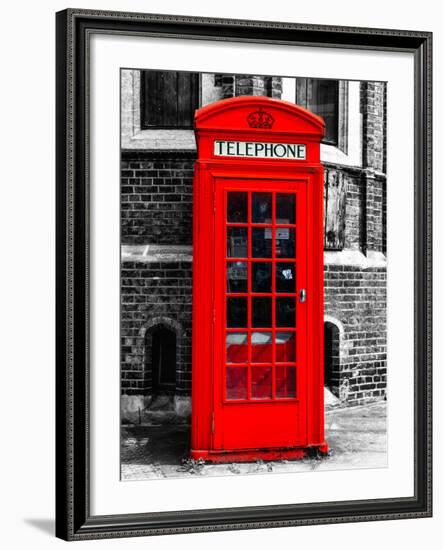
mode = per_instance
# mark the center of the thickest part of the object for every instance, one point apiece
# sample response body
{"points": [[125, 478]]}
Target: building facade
{"points": [[157, 158]]}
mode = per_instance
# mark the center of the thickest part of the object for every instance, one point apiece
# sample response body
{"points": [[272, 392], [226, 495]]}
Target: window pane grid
{"points": [[260, 358], [283, 379]]}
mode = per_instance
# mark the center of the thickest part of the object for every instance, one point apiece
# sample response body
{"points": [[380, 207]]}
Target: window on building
{"points": [[168, 99], [322, 98]]}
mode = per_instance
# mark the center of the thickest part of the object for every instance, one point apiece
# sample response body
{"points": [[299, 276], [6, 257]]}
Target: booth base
{"points": [[252, 455]]}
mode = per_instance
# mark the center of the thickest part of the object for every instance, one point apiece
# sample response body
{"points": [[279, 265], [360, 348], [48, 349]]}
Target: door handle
{"points": [[302, 295]]}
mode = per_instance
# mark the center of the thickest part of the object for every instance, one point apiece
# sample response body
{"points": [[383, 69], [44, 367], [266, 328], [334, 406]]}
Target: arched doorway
{"points": [[162, 339], [163, 363], [332, 356]]}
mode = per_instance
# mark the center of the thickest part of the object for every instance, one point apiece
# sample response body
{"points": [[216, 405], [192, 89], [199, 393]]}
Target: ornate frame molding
{"points": [[74, 29]]}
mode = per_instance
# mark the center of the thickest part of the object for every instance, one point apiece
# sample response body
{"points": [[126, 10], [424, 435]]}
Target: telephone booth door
{"points": [[260, 315]]}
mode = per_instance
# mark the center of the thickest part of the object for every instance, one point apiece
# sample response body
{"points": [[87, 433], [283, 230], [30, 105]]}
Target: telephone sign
{"points": [[259, 150], [257, 343]]}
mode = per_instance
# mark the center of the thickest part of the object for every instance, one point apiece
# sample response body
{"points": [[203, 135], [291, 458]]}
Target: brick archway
{"points": [[333, 337], [146, 334]]}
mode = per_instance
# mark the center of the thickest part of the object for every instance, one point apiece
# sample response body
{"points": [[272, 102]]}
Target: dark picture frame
{"points": [[74, 29]]}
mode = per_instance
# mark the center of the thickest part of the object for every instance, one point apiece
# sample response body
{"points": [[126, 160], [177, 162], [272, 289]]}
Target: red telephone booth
{"points": [[257, 363]]}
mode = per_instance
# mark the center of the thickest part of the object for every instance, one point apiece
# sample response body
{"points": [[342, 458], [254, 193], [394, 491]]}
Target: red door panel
{"points": [[260, 324]]}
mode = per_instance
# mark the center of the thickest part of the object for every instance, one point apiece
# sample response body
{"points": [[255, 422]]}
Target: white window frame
{"points": [[132, 136]]}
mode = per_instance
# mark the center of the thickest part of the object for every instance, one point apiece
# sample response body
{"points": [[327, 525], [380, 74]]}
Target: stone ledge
{"points": [[156, 253], [356, 258], [183, 253]]}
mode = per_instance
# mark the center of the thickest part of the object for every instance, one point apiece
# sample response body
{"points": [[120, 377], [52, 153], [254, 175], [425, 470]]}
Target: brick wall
{"points": [[357, 298], [246, 84], [152, 292], [372, 106], [373, 109], [156, 197]]}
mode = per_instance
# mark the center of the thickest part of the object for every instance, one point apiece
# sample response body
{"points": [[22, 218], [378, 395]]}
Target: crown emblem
{"points": [[260, 119]]}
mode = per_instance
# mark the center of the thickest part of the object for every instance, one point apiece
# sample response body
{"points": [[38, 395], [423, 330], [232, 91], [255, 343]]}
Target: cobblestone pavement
{"points": [[356, 436]]}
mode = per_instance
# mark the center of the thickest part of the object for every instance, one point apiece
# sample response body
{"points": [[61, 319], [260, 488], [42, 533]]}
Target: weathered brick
{"points": [[161, 290]]}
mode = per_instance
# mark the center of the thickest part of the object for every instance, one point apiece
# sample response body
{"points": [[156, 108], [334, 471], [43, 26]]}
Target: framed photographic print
{"points": [[243, 274]]}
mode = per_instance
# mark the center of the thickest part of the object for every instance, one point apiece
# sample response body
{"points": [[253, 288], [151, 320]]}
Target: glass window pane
{"points": [[262, 243], [261, 276], [261, 382], [285, 208], [237, 207], [285, 382], [261, 347], [237, 347], [324, 102], [236, 312], [237, 277], [236, 383], [237, 243], [261, 312], [285, 347], [285, 242], [285, 312], [169, 99], [261, 207], [285, 277]]}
